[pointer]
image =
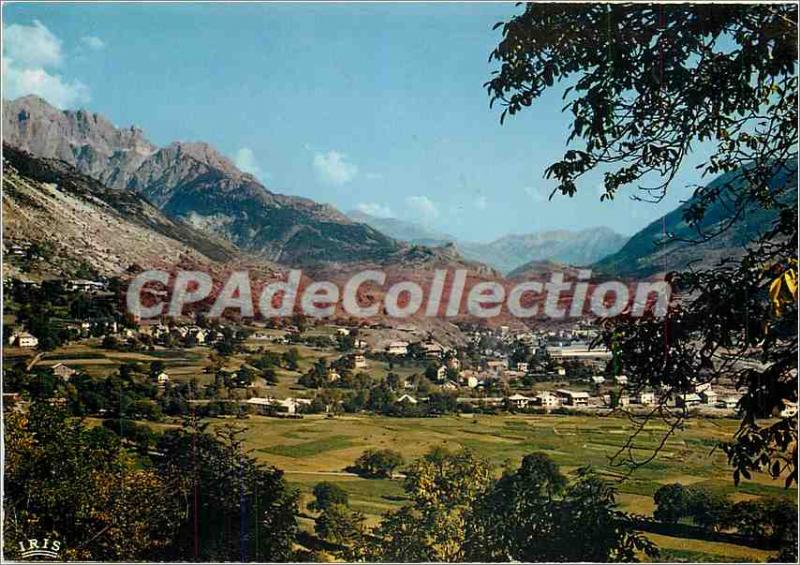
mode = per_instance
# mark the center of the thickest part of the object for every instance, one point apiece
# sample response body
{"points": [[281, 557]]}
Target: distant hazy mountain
{"points": [[402, 230], [561, 246], [194, 183], [511, 251], [669, 243]]}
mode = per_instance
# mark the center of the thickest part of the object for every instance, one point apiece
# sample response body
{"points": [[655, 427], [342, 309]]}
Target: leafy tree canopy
{"points": [[644, 84]]}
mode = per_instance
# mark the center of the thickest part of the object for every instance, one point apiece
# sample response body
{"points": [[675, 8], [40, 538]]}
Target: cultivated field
{"points": [[317, 448]]}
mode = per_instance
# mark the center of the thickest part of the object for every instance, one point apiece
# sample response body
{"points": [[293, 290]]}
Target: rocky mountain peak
{"points": [[193, 182], [32, 124], [204, 153]]}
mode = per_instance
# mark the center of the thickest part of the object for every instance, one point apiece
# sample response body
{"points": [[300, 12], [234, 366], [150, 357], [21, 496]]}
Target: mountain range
{"points": [[110, 196], [509, 252], [671, 244], [61, 223], [194, 183], [67, 223]]}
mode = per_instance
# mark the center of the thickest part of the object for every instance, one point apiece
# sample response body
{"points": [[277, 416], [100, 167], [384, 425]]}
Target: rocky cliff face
{"points": [[195, 183], [86, 140], [80, 221]]}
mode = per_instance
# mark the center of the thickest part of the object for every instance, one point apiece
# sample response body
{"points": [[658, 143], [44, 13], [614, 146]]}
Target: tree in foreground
{"points": [[67, 482], [237, 509], [204, 498], [773, 520], [442, 487], [339, 524], [672, 503], [533, 514], [336, 522], [645, 84], [459, 512], [766, 520], [709, 509]]}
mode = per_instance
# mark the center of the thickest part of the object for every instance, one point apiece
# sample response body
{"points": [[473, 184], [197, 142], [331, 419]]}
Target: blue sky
{"points": [[373, 106]]}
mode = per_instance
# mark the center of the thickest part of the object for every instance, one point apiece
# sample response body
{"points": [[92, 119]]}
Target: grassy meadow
{"points": [[317, 448]]}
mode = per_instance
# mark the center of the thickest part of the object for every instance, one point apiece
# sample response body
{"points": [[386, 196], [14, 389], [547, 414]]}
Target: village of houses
{"points": [[541, 370]]}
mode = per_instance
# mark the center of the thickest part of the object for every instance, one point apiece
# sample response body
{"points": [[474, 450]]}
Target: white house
{"points": [[573, 398], [162, 379], [359, 362], [397, 348], [519, 400], [263, 404], [61, 370], [290, 405], [621, 380], [687, 400], [286, 405], [24, 339], [522, 366], [729, 402], [407, 398], [200, 336], [441, 373], [547, 400], [578, 351], [84, 285], [709, 396], [702, 387], [646, 398], [598, 380]]}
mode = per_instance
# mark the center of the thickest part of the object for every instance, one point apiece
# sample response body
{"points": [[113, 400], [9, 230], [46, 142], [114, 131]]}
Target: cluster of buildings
{"points": [[161, 332], [85, 285], [703, 394], [567, 398], [427, 349], [495, 348], [568, 347]]}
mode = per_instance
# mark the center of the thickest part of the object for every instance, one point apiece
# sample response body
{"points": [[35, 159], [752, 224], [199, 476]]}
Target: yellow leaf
{"points": [[791, 282], [775, 296], [783, 290]]}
